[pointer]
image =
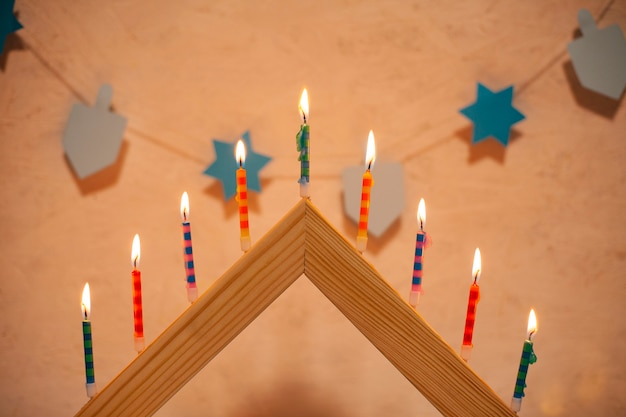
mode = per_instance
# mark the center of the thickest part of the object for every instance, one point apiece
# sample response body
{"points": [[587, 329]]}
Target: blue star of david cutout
{"points": [[492, 114], [224, 168], [8, 21]]}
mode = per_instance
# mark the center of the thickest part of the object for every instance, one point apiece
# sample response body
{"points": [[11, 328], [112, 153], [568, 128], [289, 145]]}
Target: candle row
{"points": [[423, 241]]}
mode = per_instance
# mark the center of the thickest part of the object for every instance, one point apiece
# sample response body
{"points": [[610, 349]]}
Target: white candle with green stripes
{"points": [[303, 145], [88, 343], [528, 358]]}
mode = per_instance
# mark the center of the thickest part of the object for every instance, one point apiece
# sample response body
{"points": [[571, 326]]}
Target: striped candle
{"points": [[137, 304], [470, 318], [87, 343], [192, 289], [421, 242], [366, 188], [303, 144], [242, 197], [528, 358]]}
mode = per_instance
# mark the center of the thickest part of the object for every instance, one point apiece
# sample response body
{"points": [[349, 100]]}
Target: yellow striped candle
{"points": [[368, 183], [242, 197]]}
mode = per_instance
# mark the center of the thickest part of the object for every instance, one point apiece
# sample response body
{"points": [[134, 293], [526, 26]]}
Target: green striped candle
{"points": [[528, 358], [303, 144], [88, 343]]}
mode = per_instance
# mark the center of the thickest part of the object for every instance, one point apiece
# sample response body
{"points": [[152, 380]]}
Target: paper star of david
{"points": [[492, 114], [8, 21], [224, 168]]}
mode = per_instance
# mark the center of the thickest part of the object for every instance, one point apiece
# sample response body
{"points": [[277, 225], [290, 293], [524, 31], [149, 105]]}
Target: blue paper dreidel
{"points": [[93, 135], [387, 196], [599, 57]]}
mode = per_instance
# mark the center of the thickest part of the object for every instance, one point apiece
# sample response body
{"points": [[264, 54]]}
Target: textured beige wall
{"points": [[547, 213]]}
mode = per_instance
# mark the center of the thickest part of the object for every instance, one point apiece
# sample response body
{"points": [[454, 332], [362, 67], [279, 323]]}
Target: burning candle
{"points": [[192, 289], [474, 297], [303, 144], [137, 305], [422, 241], [368, 183], [87, 343], [528, 358], [242, 197]]}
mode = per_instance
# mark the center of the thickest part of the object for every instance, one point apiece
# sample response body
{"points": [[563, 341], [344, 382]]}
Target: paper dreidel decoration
{"points": [[8, 21], [387, 196], [599, 57], [225, 166], [93, 135], [493, 114]]}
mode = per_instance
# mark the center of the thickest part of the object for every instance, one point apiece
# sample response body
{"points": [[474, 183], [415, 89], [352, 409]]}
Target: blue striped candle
{"points": [[88, 343], [192, 289], [422, 241]]}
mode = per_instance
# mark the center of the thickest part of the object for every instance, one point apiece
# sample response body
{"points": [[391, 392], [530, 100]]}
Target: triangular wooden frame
{"points": [[303, 242]]}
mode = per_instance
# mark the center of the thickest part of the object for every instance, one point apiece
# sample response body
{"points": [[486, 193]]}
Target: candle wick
{"points": [[304, 116], [135, 262], [185, 215], [84, 311], [476, 276], [240, 163], [369, 165]]}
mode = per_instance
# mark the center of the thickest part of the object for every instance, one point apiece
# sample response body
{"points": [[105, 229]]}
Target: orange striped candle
{"points": [[242, 197], [137, 304], [474, 298], [368, 183]]}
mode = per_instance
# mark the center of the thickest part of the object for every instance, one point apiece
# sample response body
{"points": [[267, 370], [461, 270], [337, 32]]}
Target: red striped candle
{"points": [[242, 197], [368, 183], [190, 272], [474, 298], [137, 304]]}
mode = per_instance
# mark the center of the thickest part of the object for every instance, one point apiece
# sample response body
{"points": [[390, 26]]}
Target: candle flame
{"points": [[532, 324], [370, 154], [240, 153], [477, 267], [304, 106], [136, 252], [85, 305], [421, 214], [184, 206]]}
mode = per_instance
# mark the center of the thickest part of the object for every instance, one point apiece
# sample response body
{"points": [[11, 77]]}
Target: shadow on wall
{"points": [[590, 100], [104, 178], [231, 207], [12, 43], [487, 148], [374, 243], [291, 398]]}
